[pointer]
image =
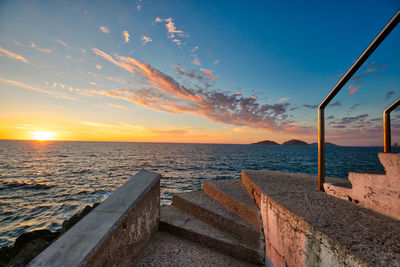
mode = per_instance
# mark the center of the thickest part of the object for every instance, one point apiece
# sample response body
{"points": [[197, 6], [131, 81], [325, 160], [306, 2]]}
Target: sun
{"points": [[43, 136]]}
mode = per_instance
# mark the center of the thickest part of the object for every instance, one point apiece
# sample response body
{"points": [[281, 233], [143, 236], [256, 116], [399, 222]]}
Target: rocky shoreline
{"points": [[27, 246]]}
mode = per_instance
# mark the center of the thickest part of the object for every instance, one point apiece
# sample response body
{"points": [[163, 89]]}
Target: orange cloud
{"points": [[104, 29], [164, 94], [126, 36], [12, 55], [116, 106], [353, 89], [146, 39]]}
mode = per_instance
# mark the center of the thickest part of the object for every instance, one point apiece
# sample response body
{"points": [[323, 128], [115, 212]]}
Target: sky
{"points": [[195, 71]]}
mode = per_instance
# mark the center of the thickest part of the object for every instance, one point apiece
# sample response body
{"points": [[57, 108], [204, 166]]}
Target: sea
{"points": [[44, 183]]}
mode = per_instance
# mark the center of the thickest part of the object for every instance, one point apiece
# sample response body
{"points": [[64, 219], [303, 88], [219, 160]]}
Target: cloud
{"points": [[369, 71], [331, 117], [104, 29], [36, 89], [335, 104], [172, 31], [146, 39], [353, 89], [195, 49], [310, 106], [99, 67], [42, 50], [116, 106], [345, 121], [62, 43], [216, 61], [83, 51], [161, 92], [204, 74], [196, 61], [353, 107], [126, 36], [18, 43], [389, 95], [12, 55], [139, 7]]}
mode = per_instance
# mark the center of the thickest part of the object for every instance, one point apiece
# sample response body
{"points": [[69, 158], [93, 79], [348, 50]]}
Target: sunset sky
{"points": [[195, 71]]}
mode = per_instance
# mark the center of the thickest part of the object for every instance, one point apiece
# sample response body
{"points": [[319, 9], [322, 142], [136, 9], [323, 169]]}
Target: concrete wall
{"points": [[291, 241], [115, 232]]}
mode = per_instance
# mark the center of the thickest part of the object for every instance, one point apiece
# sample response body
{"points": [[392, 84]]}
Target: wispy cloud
{"points": [[310, 106], [196, 61], [42, 50], [99, 67], [353, 89], [139, 7], [62, 43], [126, 35], [116, 106], [12, 55], [146, 39], [216, 61], [389, 95], [36, 89], [335, 104], [203, 74], [195, 49], [345, 121], [172, 31], [104, 29], [165, 94]]}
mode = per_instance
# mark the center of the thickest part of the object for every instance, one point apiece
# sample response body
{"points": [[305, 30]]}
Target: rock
{"points": [[29, 245], [266, 142], [295, 142]]}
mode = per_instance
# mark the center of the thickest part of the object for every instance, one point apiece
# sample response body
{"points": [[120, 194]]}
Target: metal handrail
{"points": [[387, 142], [321, 117]]}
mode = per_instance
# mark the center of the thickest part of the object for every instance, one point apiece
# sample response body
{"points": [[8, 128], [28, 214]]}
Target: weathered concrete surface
{"points": [[170, 250], [178, 222], [391, 162], [377, 191], [234, 196], [115, 232], [305, 227], [203, 207]]}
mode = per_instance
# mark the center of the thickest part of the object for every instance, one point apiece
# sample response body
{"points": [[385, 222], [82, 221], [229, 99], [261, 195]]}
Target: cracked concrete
{"points": [[306, 227]]}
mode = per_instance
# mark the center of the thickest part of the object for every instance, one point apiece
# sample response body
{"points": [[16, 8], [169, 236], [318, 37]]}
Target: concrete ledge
{"points": [[115, 232], [305, 227]]}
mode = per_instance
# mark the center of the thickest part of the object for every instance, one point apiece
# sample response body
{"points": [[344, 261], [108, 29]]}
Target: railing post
{"points": [[321, 148], [387, 143]]}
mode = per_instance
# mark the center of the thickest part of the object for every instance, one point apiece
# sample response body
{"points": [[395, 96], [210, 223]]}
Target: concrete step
{"points": [[208, 210], [166, 249], [177, 222], [234, 196]]}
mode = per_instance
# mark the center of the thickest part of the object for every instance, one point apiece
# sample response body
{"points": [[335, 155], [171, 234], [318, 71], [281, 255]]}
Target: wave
{"points": [[27, 185]]}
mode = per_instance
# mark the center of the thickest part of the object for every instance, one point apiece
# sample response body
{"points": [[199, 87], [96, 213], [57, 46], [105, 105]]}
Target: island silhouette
{"points": [[292, 142]]}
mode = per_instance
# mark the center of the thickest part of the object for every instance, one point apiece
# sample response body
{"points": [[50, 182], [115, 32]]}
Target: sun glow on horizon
{"points": [[43, 136]]}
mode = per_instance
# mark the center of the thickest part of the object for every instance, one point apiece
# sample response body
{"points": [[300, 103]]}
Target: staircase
{"points": [[223, 217], [376, 191]]}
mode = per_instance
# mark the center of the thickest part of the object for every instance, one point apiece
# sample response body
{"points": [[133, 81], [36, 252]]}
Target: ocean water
{"points": [[44, 183]]}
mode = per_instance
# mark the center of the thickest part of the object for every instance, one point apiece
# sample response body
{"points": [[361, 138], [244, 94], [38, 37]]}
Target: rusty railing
{"points": [[321, 115], [387, 141]]}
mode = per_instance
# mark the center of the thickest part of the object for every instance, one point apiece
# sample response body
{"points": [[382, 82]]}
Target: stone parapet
{"points": [[115, 232]]}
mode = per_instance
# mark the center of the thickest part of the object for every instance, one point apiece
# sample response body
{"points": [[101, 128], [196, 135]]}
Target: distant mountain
{"points": [[266, 142], [326, 144], [295, 142]]}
